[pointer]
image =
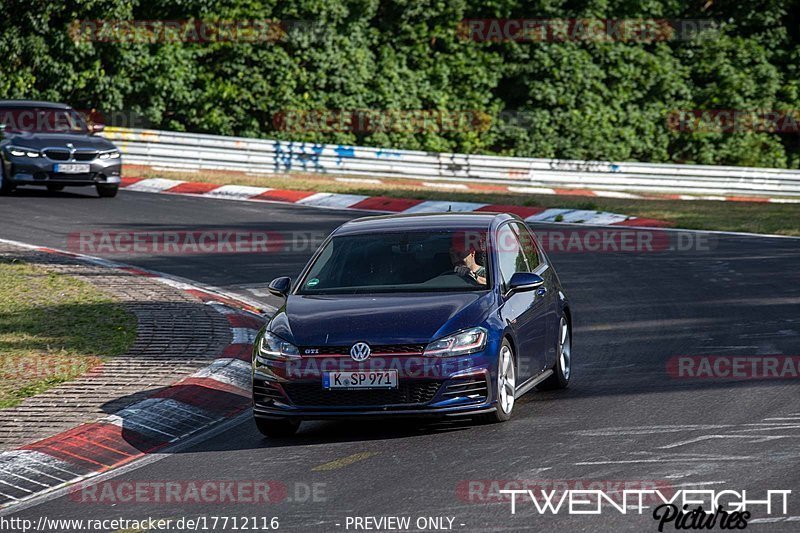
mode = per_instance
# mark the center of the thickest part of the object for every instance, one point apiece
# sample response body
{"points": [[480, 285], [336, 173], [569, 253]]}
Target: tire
{"points": [[6, 187], [562, 369], [506, 385], [55, 188], [107, 191], [277, 428]]}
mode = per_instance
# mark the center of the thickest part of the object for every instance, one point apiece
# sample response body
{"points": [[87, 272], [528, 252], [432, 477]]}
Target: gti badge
{"points": [[360, 351]]}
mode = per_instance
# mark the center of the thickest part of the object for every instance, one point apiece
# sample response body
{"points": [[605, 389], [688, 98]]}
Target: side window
{"points": [[528, 245], [510, 255]]}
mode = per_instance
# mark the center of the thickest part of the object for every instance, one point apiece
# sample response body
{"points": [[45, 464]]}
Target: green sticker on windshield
{"points": [[313, 282]]}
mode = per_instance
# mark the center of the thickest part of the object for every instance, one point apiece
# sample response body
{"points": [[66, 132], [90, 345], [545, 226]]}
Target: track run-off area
{"points": [[632, 415]]}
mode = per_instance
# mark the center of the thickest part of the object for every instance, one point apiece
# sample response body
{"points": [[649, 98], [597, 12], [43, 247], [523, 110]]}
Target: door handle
{"points": [[541, 291]]}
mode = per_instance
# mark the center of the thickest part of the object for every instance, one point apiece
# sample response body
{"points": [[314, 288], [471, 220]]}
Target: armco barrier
{"points": [[191, 151]]}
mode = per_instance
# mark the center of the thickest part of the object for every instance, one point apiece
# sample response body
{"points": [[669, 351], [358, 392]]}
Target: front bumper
{"points": [[426, 388], [41, 171]]}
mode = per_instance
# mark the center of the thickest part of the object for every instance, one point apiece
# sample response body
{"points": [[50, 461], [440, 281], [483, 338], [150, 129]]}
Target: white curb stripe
{"points": [[236, 192], [233, 372], [443, 207], [244, 335], [161, 417], [153, 185], [371, 181], [548, 215], [326, 199], [532, 190], [445, 185], [615, 194]]}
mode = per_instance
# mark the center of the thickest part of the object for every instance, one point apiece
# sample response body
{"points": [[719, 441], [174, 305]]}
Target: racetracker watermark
{"points": [[234, 241], [555, 30], [734, 367], [197, 491], [186, 242], [734, 121], [192, 31], [46, 367], [380, 120]]}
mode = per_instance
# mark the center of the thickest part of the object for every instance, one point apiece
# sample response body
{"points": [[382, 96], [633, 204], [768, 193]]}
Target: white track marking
{"points": [[236, 192], [153, 185]]}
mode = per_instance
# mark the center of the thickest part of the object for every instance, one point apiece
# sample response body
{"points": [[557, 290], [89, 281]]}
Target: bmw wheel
{"points": [[563, 367], [5, 186], [107, 191]]}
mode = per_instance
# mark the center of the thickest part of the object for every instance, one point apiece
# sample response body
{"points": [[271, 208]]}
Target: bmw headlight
{"points": [[461, 343], [113, 154], [19, 151], [273, 347]]}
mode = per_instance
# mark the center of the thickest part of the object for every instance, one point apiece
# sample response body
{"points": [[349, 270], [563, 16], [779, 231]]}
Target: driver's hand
{"points": [[463, 271]]}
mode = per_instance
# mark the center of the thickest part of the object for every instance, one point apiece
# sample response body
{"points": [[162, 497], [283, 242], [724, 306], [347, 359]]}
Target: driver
{"points": [[462, 256]]}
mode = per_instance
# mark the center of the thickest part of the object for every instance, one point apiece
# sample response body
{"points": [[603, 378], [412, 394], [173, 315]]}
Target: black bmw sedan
{"points": [[448, 314], [50, 145]]}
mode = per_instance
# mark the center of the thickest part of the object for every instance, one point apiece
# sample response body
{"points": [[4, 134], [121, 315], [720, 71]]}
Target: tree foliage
{"points": [[573, 98]]}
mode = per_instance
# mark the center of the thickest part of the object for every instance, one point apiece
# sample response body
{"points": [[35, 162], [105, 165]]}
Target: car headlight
{"points": [[461, 343], [273, 347], [19, 151], [113, 154]]}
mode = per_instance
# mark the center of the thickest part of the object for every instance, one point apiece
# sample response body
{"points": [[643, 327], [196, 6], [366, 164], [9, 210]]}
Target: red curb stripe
{"points": [[97, 446], [125, 181], [191, 187], [208, 297], [384, 203], [56, 252], [746, 199], [482, 187], [139, 272], [281, 195], [521, 210], [208, 394], [241, 351], [575, 192], [645, 222], [244, 321]]}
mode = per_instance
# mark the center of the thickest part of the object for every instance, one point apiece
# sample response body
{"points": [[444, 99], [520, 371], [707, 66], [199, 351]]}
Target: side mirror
{"points": [[96, 128], [280, 286], [524, 281]]}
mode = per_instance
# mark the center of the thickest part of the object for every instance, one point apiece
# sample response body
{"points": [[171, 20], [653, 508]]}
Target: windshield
{"points": [[400, 262], [41, 120]]}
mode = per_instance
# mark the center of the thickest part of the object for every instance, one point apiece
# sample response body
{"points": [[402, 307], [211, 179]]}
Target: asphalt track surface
{"points": [[623, 418]]}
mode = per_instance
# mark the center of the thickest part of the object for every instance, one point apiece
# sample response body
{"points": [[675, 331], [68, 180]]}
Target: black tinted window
{"points": [[509, 253], [528, 245]]}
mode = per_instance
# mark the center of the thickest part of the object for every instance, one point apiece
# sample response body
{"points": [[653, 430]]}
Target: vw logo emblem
{"points": [[360, 351]]}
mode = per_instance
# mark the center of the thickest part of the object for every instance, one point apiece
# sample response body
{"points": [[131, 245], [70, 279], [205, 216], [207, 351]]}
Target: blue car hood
{"points": [[342, 320]]}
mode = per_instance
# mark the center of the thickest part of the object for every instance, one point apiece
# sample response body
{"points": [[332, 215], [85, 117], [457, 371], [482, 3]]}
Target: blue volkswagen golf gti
{"points": [[451, 314]]}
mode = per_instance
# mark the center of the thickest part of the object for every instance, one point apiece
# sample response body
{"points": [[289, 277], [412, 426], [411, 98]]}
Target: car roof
{"points": [[32, 103], [422, 221]]}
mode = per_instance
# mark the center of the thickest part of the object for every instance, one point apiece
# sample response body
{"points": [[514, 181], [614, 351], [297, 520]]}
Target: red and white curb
{"points": [[211, 395], [379, 204]]}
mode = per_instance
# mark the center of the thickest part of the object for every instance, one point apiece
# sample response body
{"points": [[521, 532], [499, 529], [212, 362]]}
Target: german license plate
{"points": [[377, 379], [71, 168]]}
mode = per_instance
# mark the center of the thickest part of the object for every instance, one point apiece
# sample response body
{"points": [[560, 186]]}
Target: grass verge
{"points": [[752, 217], [53, 328]]}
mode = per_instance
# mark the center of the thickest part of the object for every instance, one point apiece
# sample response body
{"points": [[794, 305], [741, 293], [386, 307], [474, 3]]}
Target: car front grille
{"points": [[473, 387], [409, 393], [57, 154], [85, 156], [392, 349]]}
